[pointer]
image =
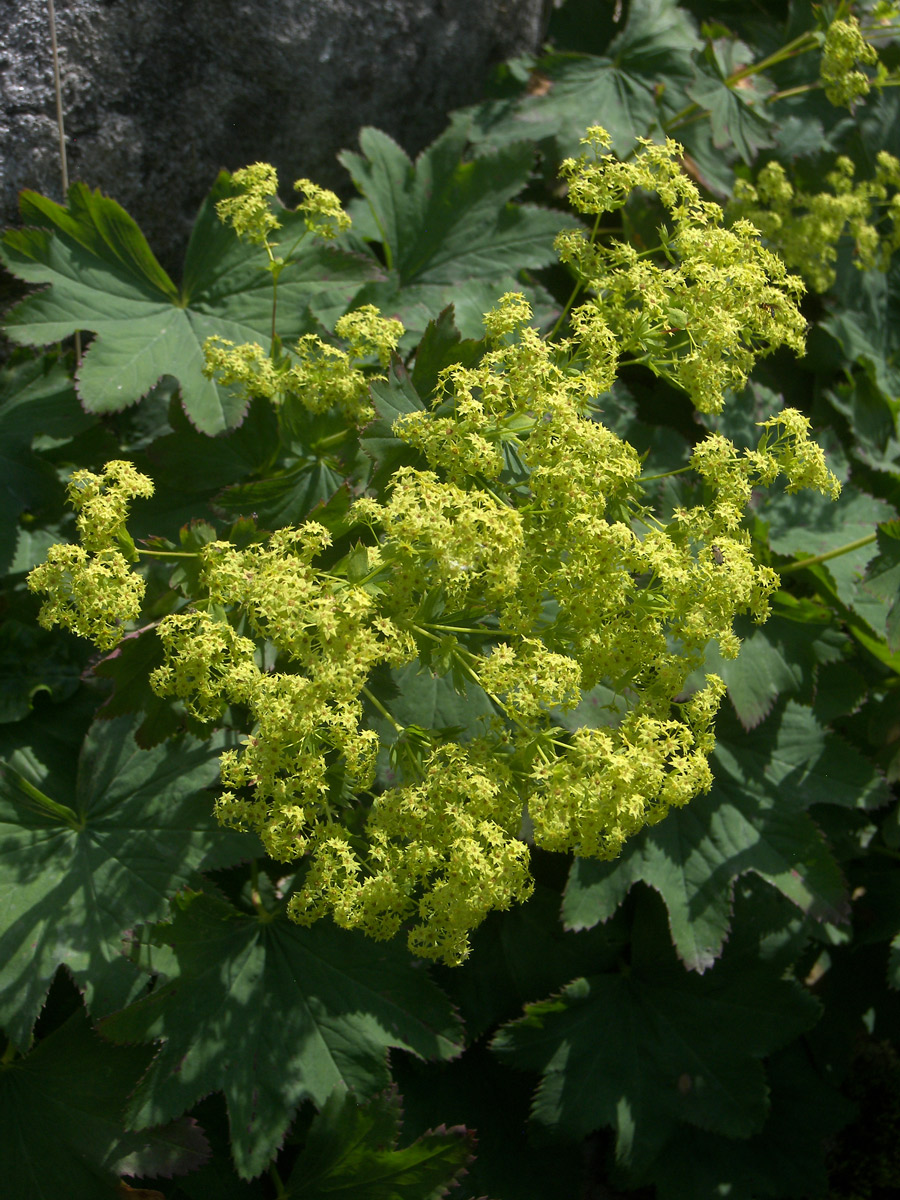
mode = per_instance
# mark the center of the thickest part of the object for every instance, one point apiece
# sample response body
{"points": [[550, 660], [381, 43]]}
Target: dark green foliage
{"points": [[714, 1013]]}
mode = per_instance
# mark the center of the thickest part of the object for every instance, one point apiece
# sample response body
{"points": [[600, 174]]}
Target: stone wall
{"points": [[160, 94]]}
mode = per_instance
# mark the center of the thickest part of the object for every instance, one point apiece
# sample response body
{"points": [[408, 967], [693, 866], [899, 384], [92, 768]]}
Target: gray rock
{"points": [[160, 94]]}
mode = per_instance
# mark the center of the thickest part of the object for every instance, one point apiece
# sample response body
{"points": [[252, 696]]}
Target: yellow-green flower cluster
{"points": [[102, 502], [94, 595], [611, 783], [91, 588], [703, 306], [844, 52], [307, 719], [322, 209], [442, 853], [250, 212], [321, 375], [805, 228]]}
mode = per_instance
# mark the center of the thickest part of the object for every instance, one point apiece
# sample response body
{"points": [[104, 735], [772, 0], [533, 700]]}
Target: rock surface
{"points": [[160, 94]]}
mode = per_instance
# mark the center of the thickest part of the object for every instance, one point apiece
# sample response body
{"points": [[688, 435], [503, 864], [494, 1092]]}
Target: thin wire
{"points": [[59, 108], [60, 125]]}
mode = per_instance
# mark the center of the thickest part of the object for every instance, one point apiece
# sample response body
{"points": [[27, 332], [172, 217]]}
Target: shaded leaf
{"points": [[786, 1158], [85, 860], [285, 497], [651, 1046], [778, 658], [882, 579], [37, 401], [441, 346], [351, 1150], [34, 660], [61, 1110], [273, 1014]]}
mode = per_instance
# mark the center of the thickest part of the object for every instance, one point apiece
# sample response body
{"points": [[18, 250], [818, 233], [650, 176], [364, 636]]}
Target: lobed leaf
{"points": [[351, 1150], [85, 860], [272, 1014], [753, 819]]}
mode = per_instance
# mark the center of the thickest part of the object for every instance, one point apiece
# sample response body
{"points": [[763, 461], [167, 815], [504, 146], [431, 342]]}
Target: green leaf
{"points": [[653, 1045], [32, 661], [351, 1150], [477, 1090], [61, 1112], [736, 113], [123, 832], [778, 658], [272, 1015], [442, 220], [808, 524], [882, 579], [285, 497], [786, 1158], [102, 276], [37, 403], [129, 667], [753, 819], [617, 90], [441, 346], [392, 398], [521, 955]]}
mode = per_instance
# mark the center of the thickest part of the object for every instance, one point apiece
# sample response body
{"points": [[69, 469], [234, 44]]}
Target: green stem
{"points": [[579, 284], [376, 703], [261, 909], [277, 1181], [801, 563], [169, 553], [471, 629], [661, 475], [334, 439], [799, 45]]}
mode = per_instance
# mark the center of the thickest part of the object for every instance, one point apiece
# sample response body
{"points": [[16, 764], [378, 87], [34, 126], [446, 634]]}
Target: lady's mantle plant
{"points": [[511, 546]]}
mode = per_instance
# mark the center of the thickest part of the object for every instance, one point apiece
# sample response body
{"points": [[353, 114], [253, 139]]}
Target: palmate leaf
{"points": [[448, 228], [32, 661], [752, 820], [272, 1014], [737, 114], [786, 1158], [617, 90], [102, 277], [351, 1151], [779, 658], [83, 861], [653, 1045], [61, 1112]]}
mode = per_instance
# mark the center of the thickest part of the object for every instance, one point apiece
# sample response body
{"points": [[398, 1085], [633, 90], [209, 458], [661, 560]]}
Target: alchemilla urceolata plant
{"points": [[451, 632], [535, 584]]}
